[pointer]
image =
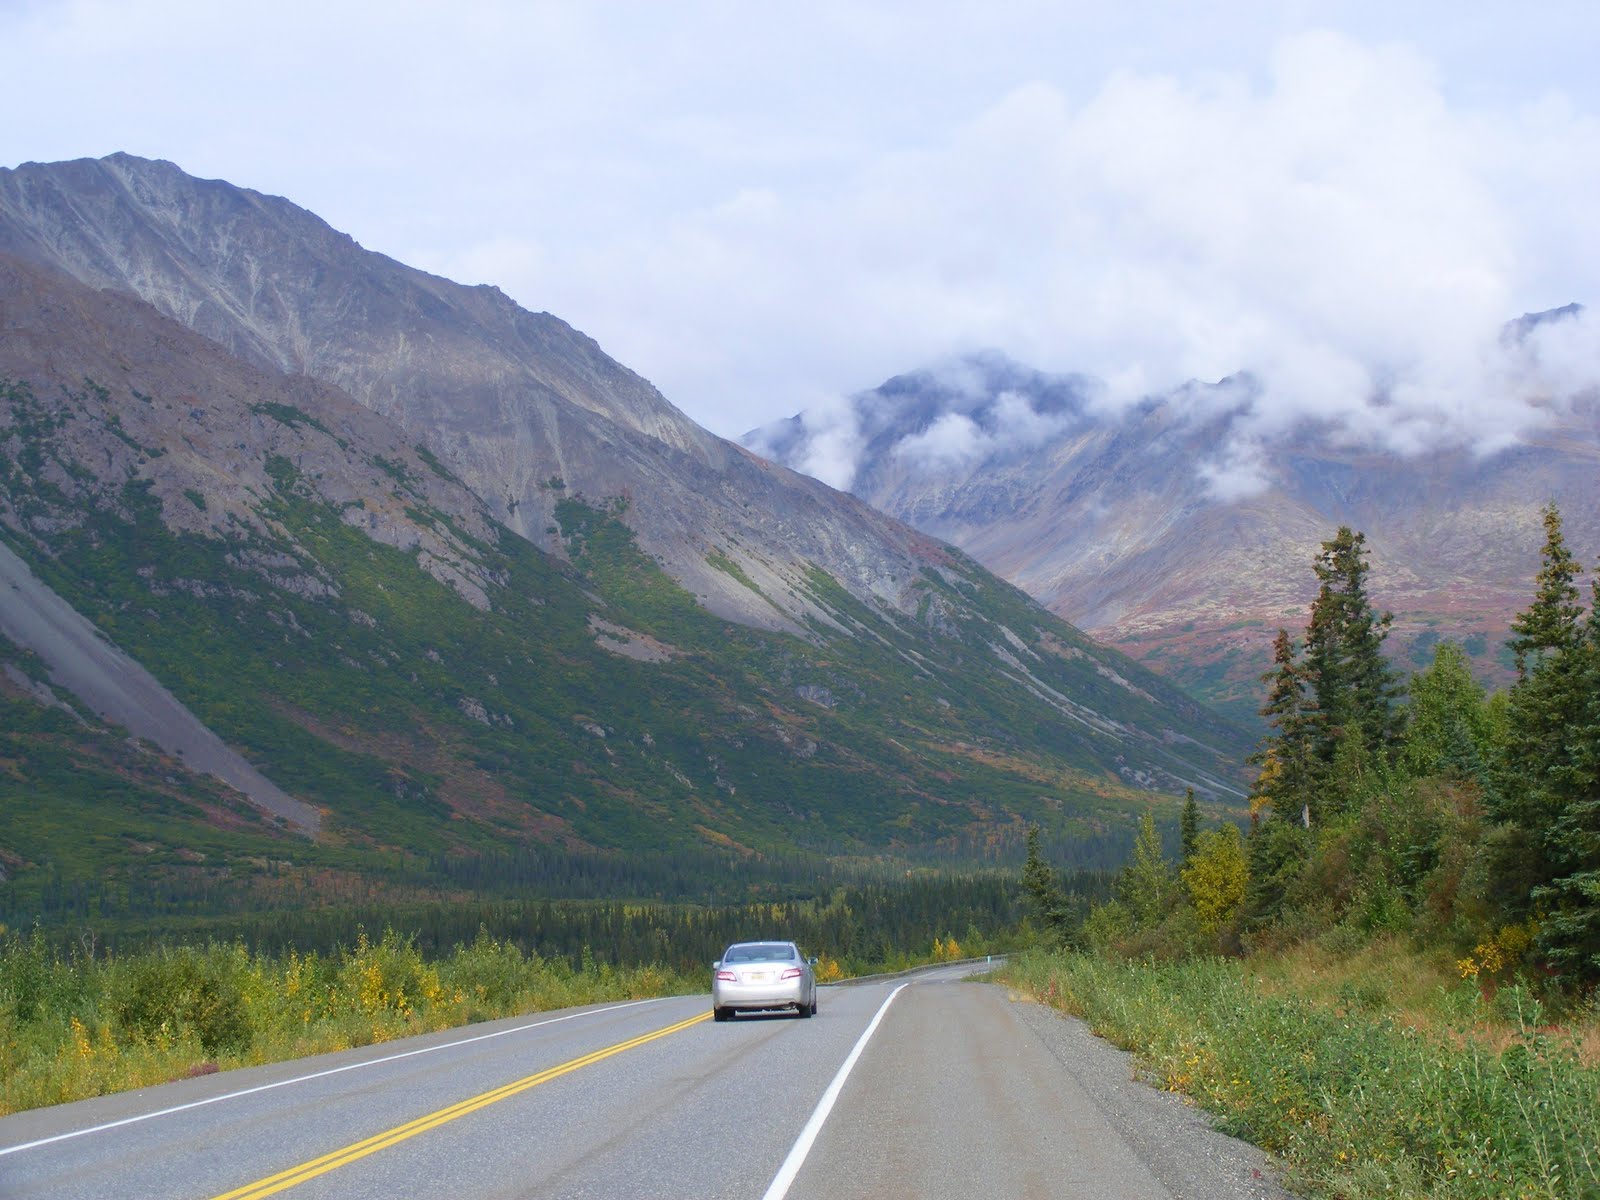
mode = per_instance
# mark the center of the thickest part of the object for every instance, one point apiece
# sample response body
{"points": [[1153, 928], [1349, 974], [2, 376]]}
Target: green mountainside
{"points": [[337, 607]]}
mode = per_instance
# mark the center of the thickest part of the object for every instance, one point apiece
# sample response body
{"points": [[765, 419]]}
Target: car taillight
{"points": [[727, 977], [791, 973]]}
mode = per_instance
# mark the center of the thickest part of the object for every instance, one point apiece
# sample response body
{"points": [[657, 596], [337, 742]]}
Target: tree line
{"points": [[1426, 805], [862, 927]]}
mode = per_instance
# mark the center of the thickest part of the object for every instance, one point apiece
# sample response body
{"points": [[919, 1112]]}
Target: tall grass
{"points": [[74, 1026], [1357, 1104]]}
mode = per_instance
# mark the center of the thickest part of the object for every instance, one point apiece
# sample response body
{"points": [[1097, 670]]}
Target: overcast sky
{"points": [[762, 208]]}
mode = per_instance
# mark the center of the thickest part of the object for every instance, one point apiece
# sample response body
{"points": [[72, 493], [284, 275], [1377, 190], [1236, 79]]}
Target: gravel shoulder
{"points": [[1177, 1141]]}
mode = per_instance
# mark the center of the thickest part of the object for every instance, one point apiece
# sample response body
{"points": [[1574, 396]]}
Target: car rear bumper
{"points": [[791, 993]]}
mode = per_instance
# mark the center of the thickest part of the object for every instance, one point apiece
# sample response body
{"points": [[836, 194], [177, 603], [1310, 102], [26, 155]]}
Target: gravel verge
{"points": [[1176, 1139]]}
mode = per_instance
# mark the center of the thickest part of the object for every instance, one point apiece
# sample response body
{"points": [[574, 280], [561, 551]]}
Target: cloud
{"points": [[1338, 230], [755, 211], [960, 439], [1239, 470], [953, 439], [1554, 358], [833, 442]]}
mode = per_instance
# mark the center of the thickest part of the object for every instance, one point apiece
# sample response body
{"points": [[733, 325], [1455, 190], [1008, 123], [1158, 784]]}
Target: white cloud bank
{"points": [[757, 210], [1339, 228], [1339, 232]]}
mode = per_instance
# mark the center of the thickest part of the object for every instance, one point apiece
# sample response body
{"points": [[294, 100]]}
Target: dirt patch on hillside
{"points": [[81, 661]]}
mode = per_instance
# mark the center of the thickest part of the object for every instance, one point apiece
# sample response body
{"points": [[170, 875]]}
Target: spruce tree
{"points": [[1330, 711], [1569, 904], [1285, 754], [1550, 626], [1040, 882], [1352, 684], [1189, 826], [1447, 726], [1545, 786], [1569, 933]]}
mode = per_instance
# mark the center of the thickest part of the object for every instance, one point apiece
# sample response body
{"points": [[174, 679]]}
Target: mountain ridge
{"points": [[1107, 520], [509, 400]]}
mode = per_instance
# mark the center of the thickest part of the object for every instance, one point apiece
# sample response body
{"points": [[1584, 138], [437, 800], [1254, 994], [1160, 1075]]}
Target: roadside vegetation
{"points": [[77, 1026], [1392, 978], [1360, 1096], [77, 1021]]}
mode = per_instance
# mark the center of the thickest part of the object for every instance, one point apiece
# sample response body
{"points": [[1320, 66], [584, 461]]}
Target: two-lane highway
{"points": [[899, 1088]]}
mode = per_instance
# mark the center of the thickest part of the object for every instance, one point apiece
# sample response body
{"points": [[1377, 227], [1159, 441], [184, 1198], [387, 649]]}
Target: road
{"points": [[925, 1086]]}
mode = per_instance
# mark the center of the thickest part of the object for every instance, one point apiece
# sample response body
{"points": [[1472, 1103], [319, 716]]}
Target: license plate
{"points": [[760, 976]]}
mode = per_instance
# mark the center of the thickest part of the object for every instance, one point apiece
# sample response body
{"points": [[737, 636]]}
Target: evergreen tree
{"points": [[1550, 626], [1351, 683], [1189, 826], [1331, 714], [1040, 882], [1569, 934], [1447, 728], [1545, 768], [1285, 781], [1278, 852]]}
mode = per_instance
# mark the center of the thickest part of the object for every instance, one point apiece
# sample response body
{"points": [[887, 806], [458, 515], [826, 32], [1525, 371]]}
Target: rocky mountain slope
{"points": [[322, 589], [519, 406], [1110, 523], [122, 692]]}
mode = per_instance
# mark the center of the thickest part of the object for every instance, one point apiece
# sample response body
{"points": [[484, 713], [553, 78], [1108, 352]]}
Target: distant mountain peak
{"points": [[1518, 330], [1178, 524]]}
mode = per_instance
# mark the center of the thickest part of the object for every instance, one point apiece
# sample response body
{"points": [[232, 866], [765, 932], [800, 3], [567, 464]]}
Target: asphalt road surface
{"points": [[924, 1086]]}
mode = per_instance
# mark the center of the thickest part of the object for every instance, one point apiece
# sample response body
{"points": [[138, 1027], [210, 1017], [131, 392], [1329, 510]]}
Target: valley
{"points": [[317, 546]]}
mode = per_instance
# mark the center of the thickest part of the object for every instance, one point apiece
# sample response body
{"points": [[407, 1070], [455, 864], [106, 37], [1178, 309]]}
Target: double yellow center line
{"points": [[357, 1150]]}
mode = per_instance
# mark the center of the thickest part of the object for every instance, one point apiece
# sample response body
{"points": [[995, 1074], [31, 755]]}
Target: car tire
{"points": [[721, 1014], [806, 1010]]}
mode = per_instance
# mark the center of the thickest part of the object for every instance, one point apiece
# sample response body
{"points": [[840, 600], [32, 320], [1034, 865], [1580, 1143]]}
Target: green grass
{"points": [[1359, 1104], [720, 560]]}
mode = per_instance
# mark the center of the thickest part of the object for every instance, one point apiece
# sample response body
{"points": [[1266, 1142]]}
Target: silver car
{"points": [[762, 976]]}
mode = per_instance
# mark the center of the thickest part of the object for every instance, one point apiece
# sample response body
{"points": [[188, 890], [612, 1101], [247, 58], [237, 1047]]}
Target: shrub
{"points": [[490, 974], [94, 1026], [387, 977], [162, 994], [1215, 877]]}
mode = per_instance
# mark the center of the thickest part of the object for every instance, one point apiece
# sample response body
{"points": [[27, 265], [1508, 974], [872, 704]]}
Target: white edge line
{"points": [[371, 1062], [779, 1187]]}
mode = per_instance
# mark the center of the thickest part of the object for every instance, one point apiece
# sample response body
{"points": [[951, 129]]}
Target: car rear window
{"points": [[760, 952]]}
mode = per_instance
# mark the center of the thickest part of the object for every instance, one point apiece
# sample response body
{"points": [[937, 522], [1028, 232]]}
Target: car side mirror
{"points": [[812, 961], [716, 965]]}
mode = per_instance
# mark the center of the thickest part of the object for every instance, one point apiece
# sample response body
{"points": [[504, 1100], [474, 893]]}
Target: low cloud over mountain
{"points": [[1536, 371], [1182, 527]]}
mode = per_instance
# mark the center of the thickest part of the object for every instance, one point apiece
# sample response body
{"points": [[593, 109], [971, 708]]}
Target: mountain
{"points": [[521, 408], [687, 651], [1111, 521]]}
